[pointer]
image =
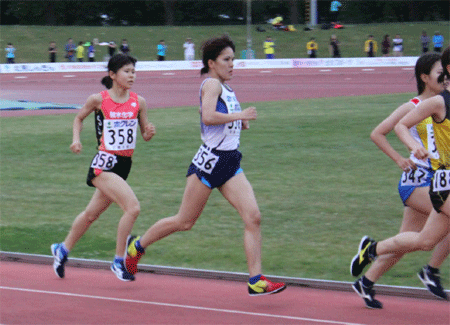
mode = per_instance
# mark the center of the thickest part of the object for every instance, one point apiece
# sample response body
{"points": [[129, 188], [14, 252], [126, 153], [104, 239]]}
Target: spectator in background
{"points": [[438, 41], [70, 50], [125, 48], [312, 47], [385, 45], [425, 40], [112, 48], [397, 45], [269, 48], [80, 52], [10, 53], [161, 50], [91, 51], [189, 49], [52, 51], [334, 11], [371, 47], [334, 47]]}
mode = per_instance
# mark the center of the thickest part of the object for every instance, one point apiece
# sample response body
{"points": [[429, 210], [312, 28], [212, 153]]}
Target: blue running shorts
{"points": [[215, 167], [409, 181]]}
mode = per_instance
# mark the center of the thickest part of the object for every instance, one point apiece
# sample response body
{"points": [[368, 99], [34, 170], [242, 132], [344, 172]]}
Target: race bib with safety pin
{"points": [[205, 160], [120, 134], [441, 180], [104, 161]]}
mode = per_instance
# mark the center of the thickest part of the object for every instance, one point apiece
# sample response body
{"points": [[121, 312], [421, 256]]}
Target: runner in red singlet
{"points": [[118, 112]]}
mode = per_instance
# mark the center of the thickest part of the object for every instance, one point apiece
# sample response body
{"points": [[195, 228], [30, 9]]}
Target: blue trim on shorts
{"points": [[405, 191]]}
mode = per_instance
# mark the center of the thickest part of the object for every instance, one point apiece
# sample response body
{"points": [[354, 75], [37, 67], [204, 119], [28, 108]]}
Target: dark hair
{"points": [[445, 60], [424, 65], [114, 64], [212, 48]]}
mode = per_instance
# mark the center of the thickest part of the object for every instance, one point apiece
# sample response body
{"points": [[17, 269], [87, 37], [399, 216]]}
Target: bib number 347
{"points": [[205, 160], [441, 180]]}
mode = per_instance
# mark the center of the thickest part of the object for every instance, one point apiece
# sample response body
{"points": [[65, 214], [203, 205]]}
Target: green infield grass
{"points": [[32, 42], [320, 182]]}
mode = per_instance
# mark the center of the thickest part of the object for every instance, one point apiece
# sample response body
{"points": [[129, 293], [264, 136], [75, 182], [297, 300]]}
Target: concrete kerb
{"points": [[412, 292]]}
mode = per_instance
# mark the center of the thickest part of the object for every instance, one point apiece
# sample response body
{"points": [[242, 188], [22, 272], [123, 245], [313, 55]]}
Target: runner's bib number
{"points": [[414, 177], [120, 134], [441, 180], [104, 161], [205, 160], [434, 154]]}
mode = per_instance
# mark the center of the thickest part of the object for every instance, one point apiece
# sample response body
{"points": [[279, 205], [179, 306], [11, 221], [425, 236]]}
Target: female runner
{"points": [[216, 165], [437, 225], [414, 182], [118, 111]]}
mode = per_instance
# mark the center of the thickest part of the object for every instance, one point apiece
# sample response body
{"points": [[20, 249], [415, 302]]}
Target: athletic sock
{"points": [[432, 270], [254, 279], [139, 247], [64, 249], [118, 259], [366, 282], [372, 250]]}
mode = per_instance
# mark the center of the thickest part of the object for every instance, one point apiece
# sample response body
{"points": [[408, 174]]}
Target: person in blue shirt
{"points": [[161, 48], [334, 11], [10, 50], [438, 41]]}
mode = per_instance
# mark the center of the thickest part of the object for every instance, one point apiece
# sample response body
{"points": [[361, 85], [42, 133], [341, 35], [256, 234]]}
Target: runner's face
{"points": [[431, 80], [125, 76], [222, 67]]}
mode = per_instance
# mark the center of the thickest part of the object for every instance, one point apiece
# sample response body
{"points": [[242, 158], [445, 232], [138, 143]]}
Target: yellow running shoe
{"points": [[133, 255]]}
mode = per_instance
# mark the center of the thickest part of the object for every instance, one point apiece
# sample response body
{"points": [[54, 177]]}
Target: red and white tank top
{"points": [[116, 125]]}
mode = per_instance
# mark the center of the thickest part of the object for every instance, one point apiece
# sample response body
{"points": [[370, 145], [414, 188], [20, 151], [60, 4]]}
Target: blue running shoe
{"points": [[60, 259], [121, 272]]}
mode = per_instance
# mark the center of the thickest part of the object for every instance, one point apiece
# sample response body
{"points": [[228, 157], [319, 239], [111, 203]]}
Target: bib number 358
{"points": [[205, 160], [104, 161], [441, 180]]}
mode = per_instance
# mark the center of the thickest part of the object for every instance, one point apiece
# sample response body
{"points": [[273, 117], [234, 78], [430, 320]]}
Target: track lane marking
{"points": [[154, 303]]}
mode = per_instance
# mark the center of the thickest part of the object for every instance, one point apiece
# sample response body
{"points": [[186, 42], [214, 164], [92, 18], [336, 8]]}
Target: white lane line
{"points": [[407, 68], [69, 76], [21, 77], [229, 311], [325, 70], [168, 74], [265, 71], [368, 69]]}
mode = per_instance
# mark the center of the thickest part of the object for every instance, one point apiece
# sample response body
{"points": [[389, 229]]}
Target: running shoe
{"points": [[121, 272], [265, 287], [361, 259], [367, 294], [60, 259], [133, 255], [433, 282]]}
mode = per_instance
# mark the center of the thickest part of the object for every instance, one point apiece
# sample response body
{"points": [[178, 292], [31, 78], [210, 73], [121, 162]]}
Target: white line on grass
{"points": [[229, 311]]}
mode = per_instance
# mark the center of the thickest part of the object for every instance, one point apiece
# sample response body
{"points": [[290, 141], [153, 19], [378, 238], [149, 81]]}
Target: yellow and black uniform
{"points": [[311, 48], [440, 186], [371, 47]]}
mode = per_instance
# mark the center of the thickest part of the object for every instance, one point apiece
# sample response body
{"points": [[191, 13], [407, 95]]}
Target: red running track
{"points": [[180, 88], [33, 294]]}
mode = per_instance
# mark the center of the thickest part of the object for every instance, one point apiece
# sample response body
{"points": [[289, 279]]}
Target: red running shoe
{"points": [[132, 255], [265, 287]]}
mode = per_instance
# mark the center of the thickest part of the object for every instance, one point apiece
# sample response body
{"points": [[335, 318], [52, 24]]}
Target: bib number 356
{"points": [[205, 160], [441, 180]]}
